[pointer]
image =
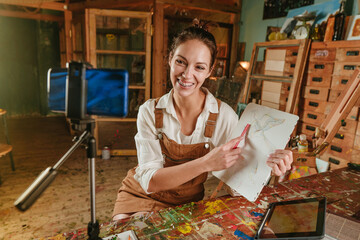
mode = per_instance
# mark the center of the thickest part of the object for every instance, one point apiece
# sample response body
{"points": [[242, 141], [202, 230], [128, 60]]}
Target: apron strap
{"points": [[158, 115], [211, 122]]}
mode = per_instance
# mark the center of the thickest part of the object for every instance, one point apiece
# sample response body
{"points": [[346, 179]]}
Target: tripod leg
{"points": [[93, 226]]}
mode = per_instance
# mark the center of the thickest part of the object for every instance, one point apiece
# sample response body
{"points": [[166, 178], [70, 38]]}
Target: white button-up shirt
{"points": [[147, 143]]}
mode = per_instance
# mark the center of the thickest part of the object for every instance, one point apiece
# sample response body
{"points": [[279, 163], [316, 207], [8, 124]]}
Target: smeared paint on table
{"points": [[234, 217]]}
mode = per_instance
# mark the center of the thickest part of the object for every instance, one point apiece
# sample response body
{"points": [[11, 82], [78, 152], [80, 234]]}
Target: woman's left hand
{"points": [[280, 161]]}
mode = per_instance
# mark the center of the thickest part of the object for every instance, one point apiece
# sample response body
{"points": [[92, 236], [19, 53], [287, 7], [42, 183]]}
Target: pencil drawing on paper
{"points": [[263, 123], [270, 130]]}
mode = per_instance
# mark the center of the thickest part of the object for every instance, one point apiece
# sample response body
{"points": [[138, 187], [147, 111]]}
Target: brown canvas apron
{"points": [[132, 198]]}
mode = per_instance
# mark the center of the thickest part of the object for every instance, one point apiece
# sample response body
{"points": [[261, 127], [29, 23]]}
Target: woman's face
{"points": [[189, 67]]}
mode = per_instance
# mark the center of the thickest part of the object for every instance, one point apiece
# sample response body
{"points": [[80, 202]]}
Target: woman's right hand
{"points": [[224, 156]]}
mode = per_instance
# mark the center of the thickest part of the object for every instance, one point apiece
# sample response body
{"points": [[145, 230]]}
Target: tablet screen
{"points": [[294, 219]]}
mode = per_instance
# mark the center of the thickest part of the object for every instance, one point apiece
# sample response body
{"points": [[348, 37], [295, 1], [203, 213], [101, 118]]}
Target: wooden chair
{"points": [[6, 148]]}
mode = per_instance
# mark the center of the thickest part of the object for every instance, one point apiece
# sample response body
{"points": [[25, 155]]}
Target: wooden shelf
{"points": [[136, 87], [113, 119], [118, 52]]}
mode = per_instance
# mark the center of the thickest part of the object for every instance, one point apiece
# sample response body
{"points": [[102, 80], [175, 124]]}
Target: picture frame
{"points": [[220, 68], [354, 30], [222, 50]]}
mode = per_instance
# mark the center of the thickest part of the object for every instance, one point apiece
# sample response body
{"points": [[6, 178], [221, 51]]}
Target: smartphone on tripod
{"points": [[107, 91]]}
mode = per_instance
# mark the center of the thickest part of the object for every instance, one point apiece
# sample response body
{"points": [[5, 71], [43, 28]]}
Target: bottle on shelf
{"points": [[303, 145], [339, 22], [315, 34]]}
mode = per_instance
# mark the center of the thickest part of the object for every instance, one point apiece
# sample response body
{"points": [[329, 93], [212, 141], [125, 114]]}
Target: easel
{"points": [[348, 98]]}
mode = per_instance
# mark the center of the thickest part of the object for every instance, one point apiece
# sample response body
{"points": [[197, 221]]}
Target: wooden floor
{"points": [[37, 144]]}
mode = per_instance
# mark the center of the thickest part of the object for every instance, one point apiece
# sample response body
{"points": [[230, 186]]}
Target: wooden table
{"points": [[236, 218]]}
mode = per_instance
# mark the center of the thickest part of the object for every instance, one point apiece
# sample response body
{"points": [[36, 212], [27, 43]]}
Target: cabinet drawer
{"points": [[334, 95], [289, 67], [322, 54], [312, 117], [357, 142], [283, 100], [317, 93], [285, 88], [339, 82], [354, 114], [321, 68], [307, 129], [316, 106], [352, 155], [318, 80], [348, 54], [344, 139], [335, 162], [339, 150], [348, 126], [344, 68]]}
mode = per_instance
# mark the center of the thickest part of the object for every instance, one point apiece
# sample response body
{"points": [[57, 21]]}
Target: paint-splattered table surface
{"points": [[236, 218]]}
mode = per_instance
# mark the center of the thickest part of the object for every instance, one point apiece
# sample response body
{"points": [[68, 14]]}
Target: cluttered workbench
{"points": [[229, 217]]}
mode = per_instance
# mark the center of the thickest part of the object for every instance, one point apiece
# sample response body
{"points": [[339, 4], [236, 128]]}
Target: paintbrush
{"points": [[242, 135]]}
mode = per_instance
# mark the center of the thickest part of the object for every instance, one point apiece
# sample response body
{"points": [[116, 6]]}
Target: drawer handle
{"points": [[292, 65], [322, 53], [310, 128], [344, 81], [352, 53], [349, 67], [343, 123], [312, 116], [313, 104], [294, 53], [317, 79], [333, 160], [336, 149], [319, 66], [314, 91], [339, 136]]}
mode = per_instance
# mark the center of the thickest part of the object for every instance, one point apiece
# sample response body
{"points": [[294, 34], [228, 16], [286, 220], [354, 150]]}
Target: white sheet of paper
{"points": [[270, 130]]}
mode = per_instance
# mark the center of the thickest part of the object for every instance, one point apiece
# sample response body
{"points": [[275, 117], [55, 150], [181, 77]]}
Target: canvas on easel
{"points": [[270, 130]]}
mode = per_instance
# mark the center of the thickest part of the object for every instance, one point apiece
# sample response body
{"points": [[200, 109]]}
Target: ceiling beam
{"points": [[37, 16], [78, 6], [43, 5], [212, 6]]}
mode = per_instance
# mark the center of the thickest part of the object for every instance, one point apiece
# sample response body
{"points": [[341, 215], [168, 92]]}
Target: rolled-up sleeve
{"points": [[148, 147]]}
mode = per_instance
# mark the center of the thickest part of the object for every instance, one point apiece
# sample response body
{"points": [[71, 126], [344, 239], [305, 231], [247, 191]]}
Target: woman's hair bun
{"points": [[203, 24]]}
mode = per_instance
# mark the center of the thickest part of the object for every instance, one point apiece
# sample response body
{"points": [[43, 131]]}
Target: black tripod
{"points": [[93, 225], [76, 111], [48, 175]]}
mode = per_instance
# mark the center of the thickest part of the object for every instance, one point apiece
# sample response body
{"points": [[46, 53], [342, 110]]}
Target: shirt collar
{"points": [[166, 102]]}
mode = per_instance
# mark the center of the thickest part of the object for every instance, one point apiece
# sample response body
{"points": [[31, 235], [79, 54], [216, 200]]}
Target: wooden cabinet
{"points": [[275, 82], [120, 39], [329, 68]]}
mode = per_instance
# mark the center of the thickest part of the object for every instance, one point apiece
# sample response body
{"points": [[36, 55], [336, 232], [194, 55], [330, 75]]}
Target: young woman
{"points": [[183, 135]]}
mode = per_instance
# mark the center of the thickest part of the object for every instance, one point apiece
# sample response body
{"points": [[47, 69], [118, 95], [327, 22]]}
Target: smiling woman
{"points": [[181, 136]]}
